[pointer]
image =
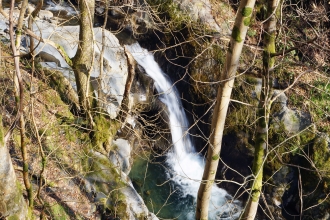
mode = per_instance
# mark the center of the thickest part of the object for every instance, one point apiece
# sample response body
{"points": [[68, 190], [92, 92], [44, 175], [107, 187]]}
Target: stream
{"points": [[173, 196]]}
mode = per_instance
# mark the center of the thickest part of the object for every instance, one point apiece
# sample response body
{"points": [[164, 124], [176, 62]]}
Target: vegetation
{"points": [[260, 112]]}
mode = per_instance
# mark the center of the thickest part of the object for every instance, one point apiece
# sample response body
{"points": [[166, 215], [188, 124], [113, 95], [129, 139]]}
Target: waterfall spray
{"points": [[185, 164]]}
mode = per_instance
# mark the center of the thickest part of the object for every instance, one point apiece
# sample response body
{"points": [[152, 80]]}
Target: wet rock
{"points": [[120, 155], [113, 191]]}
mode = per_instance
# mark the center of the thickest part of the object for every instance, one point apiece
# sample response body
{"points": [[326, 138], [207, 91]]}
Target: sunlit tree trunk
{"points": [[19, 27], [84, 58], [82, 65], [264, 106], [32, 16], [19, 92], [241, 25]]}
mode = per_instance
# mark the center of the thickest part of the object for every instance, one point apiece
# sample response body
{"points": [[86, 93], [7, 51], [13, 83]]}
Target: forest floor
{"points": [[61, 195]]}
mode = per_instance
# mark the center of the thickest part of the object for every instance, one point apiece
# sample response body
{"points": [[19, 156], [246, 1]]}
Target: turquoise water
{"points": [[161, 195]]}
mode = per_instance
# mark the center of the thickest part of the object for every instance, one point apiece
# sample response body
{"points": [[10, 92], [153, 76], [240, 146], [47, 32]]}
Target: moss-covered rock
{"points": [[12, 203], [112, 189], [321, 156], [57, 212], [316, 178], [103, 133]]}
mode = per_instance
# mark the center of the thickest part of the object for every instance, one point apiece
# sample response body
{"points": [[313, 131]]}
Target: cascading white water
{"points": [[186, 166]]}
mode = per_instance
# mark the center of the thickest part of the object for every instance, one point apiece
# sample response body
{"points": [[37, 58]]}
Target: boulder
{"points": [[293, 120], [112, 189], [206, 12], [111, 83]]}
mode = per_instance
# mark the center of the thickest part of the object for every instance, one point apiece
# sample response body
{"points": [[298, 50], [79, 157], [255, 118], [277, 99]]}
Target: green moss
{"points": [[290, 149], [107, 182], [16, 201], [247, 11], [104, 131], [115, 201], [257, 167], [251, 80], [51, 184], [247, 21], [119, 207], [58, 212], [2, 143], [66, 56], [176, 18], [19, 186], [236, 34], [43, 162], [319, 103], [100, 167], [241, 115], [18, 32], [204, 69], [215, 157], [268, 60], [13, 217], [276, 134], [66, 93], [25, 167], [321, 155], [30, 213], [276, 108]]}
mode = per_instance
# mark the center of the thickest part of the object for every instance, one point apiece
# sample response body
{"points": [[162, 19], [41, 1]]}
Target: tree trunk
{"points": [[251, 208], [19, 93], [220, 112], [261, 143], [30, 23], [124, 108], [82, 65], [12, 203], [84, 58]]}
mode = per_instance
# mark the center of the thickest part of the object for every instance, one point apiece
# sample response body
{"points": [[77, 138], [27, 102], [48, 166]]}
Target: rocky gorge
{"points": [[99, 181]]}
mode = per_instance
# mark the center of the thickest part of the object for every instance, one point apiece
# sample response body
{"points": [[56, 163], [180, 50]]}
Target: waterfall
{"points": [[185, 164]]}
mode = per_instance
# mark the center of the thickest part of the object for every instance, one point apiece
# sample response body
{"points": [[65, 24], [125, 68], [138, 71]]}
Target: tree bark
{"points": [[83, 60], [261, 143], [124, 108], [242, 22], [32, 16], [82, 65], [19, 93]]}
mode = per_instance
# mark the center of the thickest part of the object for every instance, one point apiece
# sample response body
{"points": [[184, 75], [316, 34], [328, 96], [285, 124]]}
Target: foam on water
{"points": [[186, 166]]}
